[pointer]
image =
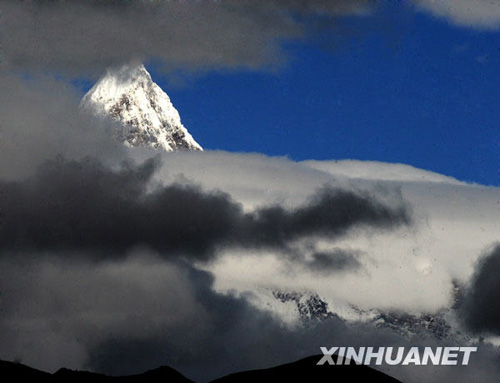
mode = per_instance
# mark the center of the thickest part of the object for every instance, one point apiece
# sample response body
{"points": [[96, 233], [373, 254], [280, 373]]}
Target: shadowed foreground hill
{"points": [[306, 370], [10, 371]]}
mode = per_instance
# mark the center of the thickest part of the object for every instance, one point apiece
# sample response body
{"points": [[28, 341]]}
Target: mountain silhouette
{"points": [[304, 370], [10, 371]]}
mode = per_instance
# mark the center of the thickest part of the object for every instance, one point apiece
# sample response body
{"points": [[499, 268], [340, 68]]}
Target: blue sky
{"points": [[402, 87]]}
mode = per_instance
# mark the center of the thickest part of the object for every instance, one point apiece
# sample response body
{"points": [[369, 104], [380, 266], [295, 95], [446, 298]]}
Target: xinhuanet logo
{"points": [[442, 356]]}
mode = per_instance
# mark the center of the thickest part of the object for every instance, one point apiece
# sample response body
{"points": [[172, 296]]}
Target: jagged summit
{"points": [[129, 95]]}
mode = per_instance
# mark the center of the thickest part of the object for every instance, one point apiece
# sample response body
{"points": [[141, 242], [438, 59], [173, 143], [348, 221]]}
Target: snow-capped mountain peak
{"points": [[129, 95]]}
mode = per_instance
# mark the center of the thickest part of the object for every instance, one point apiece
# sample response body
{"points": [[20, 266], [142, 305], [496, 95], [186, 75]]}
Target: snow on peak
{"points": [[129, 95]]}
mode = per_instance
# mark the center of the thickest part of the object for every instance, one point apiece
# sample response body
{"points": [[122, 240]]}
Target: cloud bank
{"points": [[89, 36], [86, 37]]}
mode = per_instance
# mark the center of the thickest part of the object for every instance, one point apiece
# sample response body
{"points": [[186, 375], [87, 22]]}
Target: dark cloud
{"points": [[131, 315], [88, 36], [85, 206], [480, 308], [233, 334], [334, 261], [236, 337], [82, 205], [329, 213]]}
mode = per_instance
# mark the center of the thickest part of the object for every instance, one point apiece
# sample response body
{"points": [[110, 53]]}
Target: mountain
{"points": [[306, 370], [305, 308], [309, 306], [162, 374], [10, 371], [147, 116], [20, 372]]}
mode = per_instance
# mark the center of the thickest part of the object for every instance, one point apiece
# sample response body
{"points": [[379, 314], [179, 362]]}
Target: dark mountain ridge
{"points": [[303, 370]]}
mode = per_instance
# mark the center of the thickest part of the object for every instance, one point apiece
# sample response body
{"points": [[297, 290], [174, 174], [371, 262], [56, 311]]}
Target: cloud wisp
{"points": [[477, 14]]}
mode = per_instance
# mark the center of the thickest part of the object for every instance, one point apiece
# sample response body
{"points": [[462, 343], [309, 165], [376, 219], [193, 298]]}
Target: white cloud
{"points": [[454, 223], [478, 14]]}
